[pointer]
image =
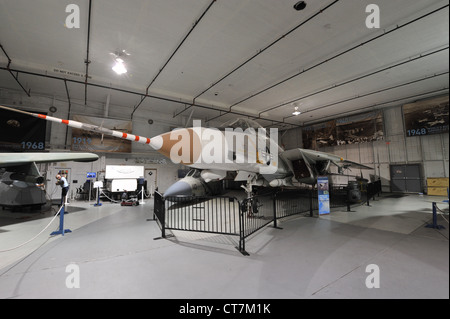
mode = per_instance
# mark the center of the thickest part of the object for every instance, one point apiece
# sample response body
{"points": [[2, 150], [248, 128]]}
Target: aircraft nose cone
{"points": [[156, 142], [180, 188]]}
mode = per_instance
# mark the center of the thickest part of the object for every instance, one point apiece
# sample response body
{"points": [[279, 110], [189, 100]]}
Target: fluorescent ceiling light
{"points": [[119, 67]]}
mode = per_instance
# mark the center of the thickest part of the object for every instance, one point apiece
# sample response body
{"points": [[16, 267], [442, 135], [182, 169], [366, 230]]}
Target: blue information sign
{"points": [[91, 175]]}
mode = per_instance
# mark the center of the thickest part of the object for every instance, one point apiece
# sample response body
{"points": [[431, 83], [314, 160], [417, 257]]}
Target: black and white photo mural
{"points": [[426, 117]]}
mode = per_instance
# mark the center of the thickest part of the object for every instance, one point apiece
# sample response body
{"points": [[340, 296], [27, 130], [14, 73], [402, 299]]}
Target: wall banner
{"points": [[426, 117], [21, 132], [361, 128]]}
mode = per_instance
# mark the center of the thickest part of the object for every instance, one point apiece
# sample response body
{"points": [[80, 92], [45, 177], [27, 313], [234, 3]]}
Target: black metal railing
{"points": [[256, 212], [290, 203], [230, 216], [160, 212], [210, 214]]}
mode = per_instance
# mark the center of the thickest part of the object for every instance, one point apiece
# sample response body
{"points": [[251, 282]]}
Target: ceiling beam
{"points": [[16, 77]]}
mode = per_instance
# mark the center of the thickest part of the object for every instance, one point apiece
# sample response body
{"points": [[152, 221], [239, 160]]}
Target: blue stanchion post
{"points": [[98, 198], [435, 224], [61, 230]]}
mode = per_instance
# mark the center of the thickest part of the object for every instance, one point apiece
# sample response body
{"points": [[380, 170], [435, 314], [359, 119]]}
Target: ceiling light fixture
{"points": [[119, 65], [296, 111]]}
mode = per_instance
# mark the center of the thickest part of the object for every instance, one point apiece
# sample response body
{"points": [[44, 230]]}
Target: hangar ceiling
{"points": [[226, 58]]}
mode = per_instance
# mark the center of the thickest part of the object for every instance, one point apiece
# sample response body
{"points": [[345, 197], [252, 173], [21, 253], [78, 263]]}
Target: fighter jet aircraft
{"points": [[242, 146], [20, 180]]}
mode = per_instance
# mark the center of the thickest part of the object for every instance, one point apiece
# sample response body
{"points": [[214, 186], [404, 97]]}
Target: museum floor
{"points": [[117, 256]]}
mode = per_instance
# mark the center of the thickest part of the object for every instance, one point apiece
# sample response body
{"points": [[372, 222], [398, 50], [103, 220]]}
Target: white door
{"points": [[151, 177]]}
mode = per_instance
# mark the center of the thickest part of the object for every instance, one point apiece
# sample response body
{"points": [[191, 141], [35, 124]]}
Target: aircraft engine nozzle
{"points": [[32, 179], [40, 180]]}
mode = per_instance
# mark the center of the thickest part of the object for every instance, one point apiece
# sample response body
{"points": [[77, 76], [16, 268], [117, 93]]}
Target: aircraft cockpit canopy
{"points": [[194, 173]]}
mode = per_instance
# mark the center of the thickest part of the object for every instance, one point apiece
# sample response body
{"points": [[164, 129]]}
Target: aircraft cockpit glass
{"points": [[195, 173]]}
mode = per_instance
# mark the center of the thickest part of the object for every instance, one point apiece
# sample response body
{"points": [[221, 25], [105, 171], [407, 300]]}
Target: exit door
{"points": [[406, 178]]}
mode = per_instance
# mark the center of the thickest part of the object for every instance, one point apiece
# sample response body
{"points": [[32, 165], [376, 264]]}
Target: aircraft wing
{"points": [[14, 159], [307, 165], [347, 163], [309, 155], [313, 157]]}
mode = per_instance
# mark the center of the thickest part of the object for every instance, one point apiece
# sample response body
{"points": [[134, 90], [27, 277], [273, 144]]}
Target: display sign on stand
{"points": [[90, 176], [323, 195]]}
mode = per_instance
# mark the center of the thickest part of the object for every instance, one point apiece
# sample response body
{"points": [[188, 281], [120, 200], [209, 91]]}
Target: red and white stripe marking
{"points": [[156, 144]]}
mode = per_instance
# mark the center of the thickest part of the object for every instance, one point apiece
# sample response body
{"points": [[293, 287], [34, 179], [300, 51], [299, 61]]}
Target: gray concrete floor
{"points": [[117, 256]]}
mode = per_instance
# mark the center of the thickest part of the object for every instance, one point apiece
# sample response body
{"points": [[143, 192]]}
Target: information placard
{"points": [[91, 175], [323, 194]]}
